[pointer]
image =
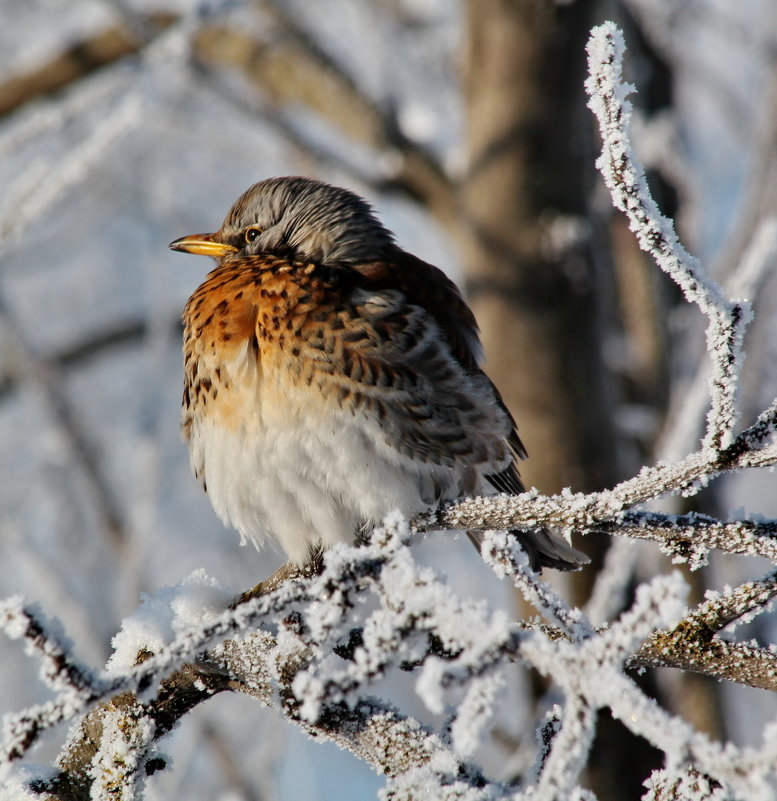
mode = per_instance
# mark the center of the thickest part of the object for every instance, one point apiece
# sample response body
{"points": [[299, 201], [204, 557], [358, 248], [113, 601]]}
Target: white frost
{"points": [[163, 616]]}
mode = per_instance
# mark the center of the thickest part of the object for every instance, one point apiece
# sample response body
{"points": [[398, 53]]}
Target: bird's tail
{"points": [[543, 548]]}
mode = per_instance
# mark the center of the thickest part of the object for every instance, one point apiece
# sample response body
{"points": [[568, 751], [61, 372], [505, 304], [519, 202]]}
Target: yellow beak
{"points": [[202, 245]]}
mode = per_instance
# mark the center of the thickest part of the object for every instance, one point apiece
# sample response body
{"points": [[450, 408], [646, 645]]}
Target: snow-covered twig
{"points": [[693, 643], [59, 670], [146, 676], [567, 752], [505, 556], [25, 205], [366, 726], [56, 114], [590, 670], [739, 605], [602, 511], [689, 537], [682, 535], [252, 660], [626, 181]]}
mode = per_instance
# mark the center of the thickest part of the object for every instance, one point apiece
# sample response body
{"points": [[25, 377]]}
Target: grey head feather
{"points": [[309, 220]]}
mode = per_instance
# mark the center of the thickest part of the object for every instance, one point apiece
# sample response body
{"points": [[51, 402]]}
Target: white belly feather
{"points": [[302, 471]]}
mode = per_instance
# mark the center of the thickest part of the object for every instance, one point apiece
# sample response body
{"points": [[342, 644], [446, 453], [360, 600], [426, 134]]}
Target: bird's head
{"points": [[298, 218]]}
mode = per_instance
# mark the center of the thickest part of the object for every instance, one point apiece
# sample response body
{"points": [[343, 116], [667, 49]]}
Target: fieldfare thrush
{"points": [[331, 378]]}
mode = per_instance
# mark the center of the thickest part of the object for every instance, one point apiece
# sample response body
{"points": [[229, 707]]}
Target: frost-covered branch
{"points": [[279, 648], [506, 558], [684, 426], [611, 511], [689, 537], [59, 670], [694, 644], [23, 205], [686, 537], [280, 665], [625, 178], [589, 670], [37, 190]]}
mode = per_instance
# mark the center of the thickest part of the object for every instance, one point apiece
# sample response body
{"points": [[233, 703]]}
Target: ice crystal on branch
{"points": [[625, 178]]}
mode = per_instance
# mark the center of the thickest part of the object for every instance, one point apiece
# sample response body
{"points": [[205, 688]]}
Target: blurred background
{"points": [[125, 124]]}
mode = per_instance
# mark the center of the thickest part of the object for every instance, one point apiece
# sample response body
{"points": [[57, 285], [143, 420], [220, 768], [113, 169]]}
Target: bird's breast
{"points": [[261, 341]]}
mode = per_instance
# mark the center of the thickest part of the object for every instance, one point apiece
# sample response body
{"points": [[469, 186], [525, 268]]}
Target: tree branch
{"points": [[694, 645], [610, 511], [628, 187]]}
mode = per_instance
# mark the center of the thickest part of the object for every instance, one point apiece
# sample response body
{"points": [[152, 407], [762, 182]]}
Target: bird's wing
{"points": [[430, 288], [383, 353], [402, 351]]}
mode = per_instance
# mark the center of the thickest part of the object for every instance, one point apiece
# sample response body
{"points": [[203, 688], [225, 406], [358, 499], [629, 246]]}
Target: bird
{"points": [[331, 378]]}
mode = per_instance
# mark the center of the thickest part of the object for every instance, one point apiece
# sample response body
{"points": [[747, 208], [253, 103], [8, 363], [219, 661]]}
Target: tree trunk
{"points": [[534, 295], [534, 278]]}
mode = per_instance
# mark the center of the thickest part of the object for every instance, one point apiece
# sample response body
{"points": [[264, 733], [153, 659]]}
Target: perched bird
{"points": [[331, 378]]}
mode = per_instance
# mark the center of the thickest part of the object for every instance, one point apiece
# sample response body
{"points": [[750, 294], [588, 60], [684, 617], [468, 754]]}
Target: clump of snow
{"points": [[12, 619], [164, 615]]}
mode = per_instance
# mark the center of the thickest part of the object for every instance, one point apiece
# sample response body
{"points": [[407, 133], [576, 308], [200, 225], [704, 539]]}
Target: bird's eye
{"points": [[251, 233]]}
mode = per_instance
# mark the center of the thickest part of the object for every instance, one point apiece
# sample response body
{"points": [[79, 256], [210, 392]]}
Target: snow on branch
{"points": [[590, 671], [683, 430], [25, 206], [45, 639], [60, 671], [278, 648], [312, 648], [506, 558], [625, 178], [611, 511], [31, 195], [693, 643], [565, 740]]}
